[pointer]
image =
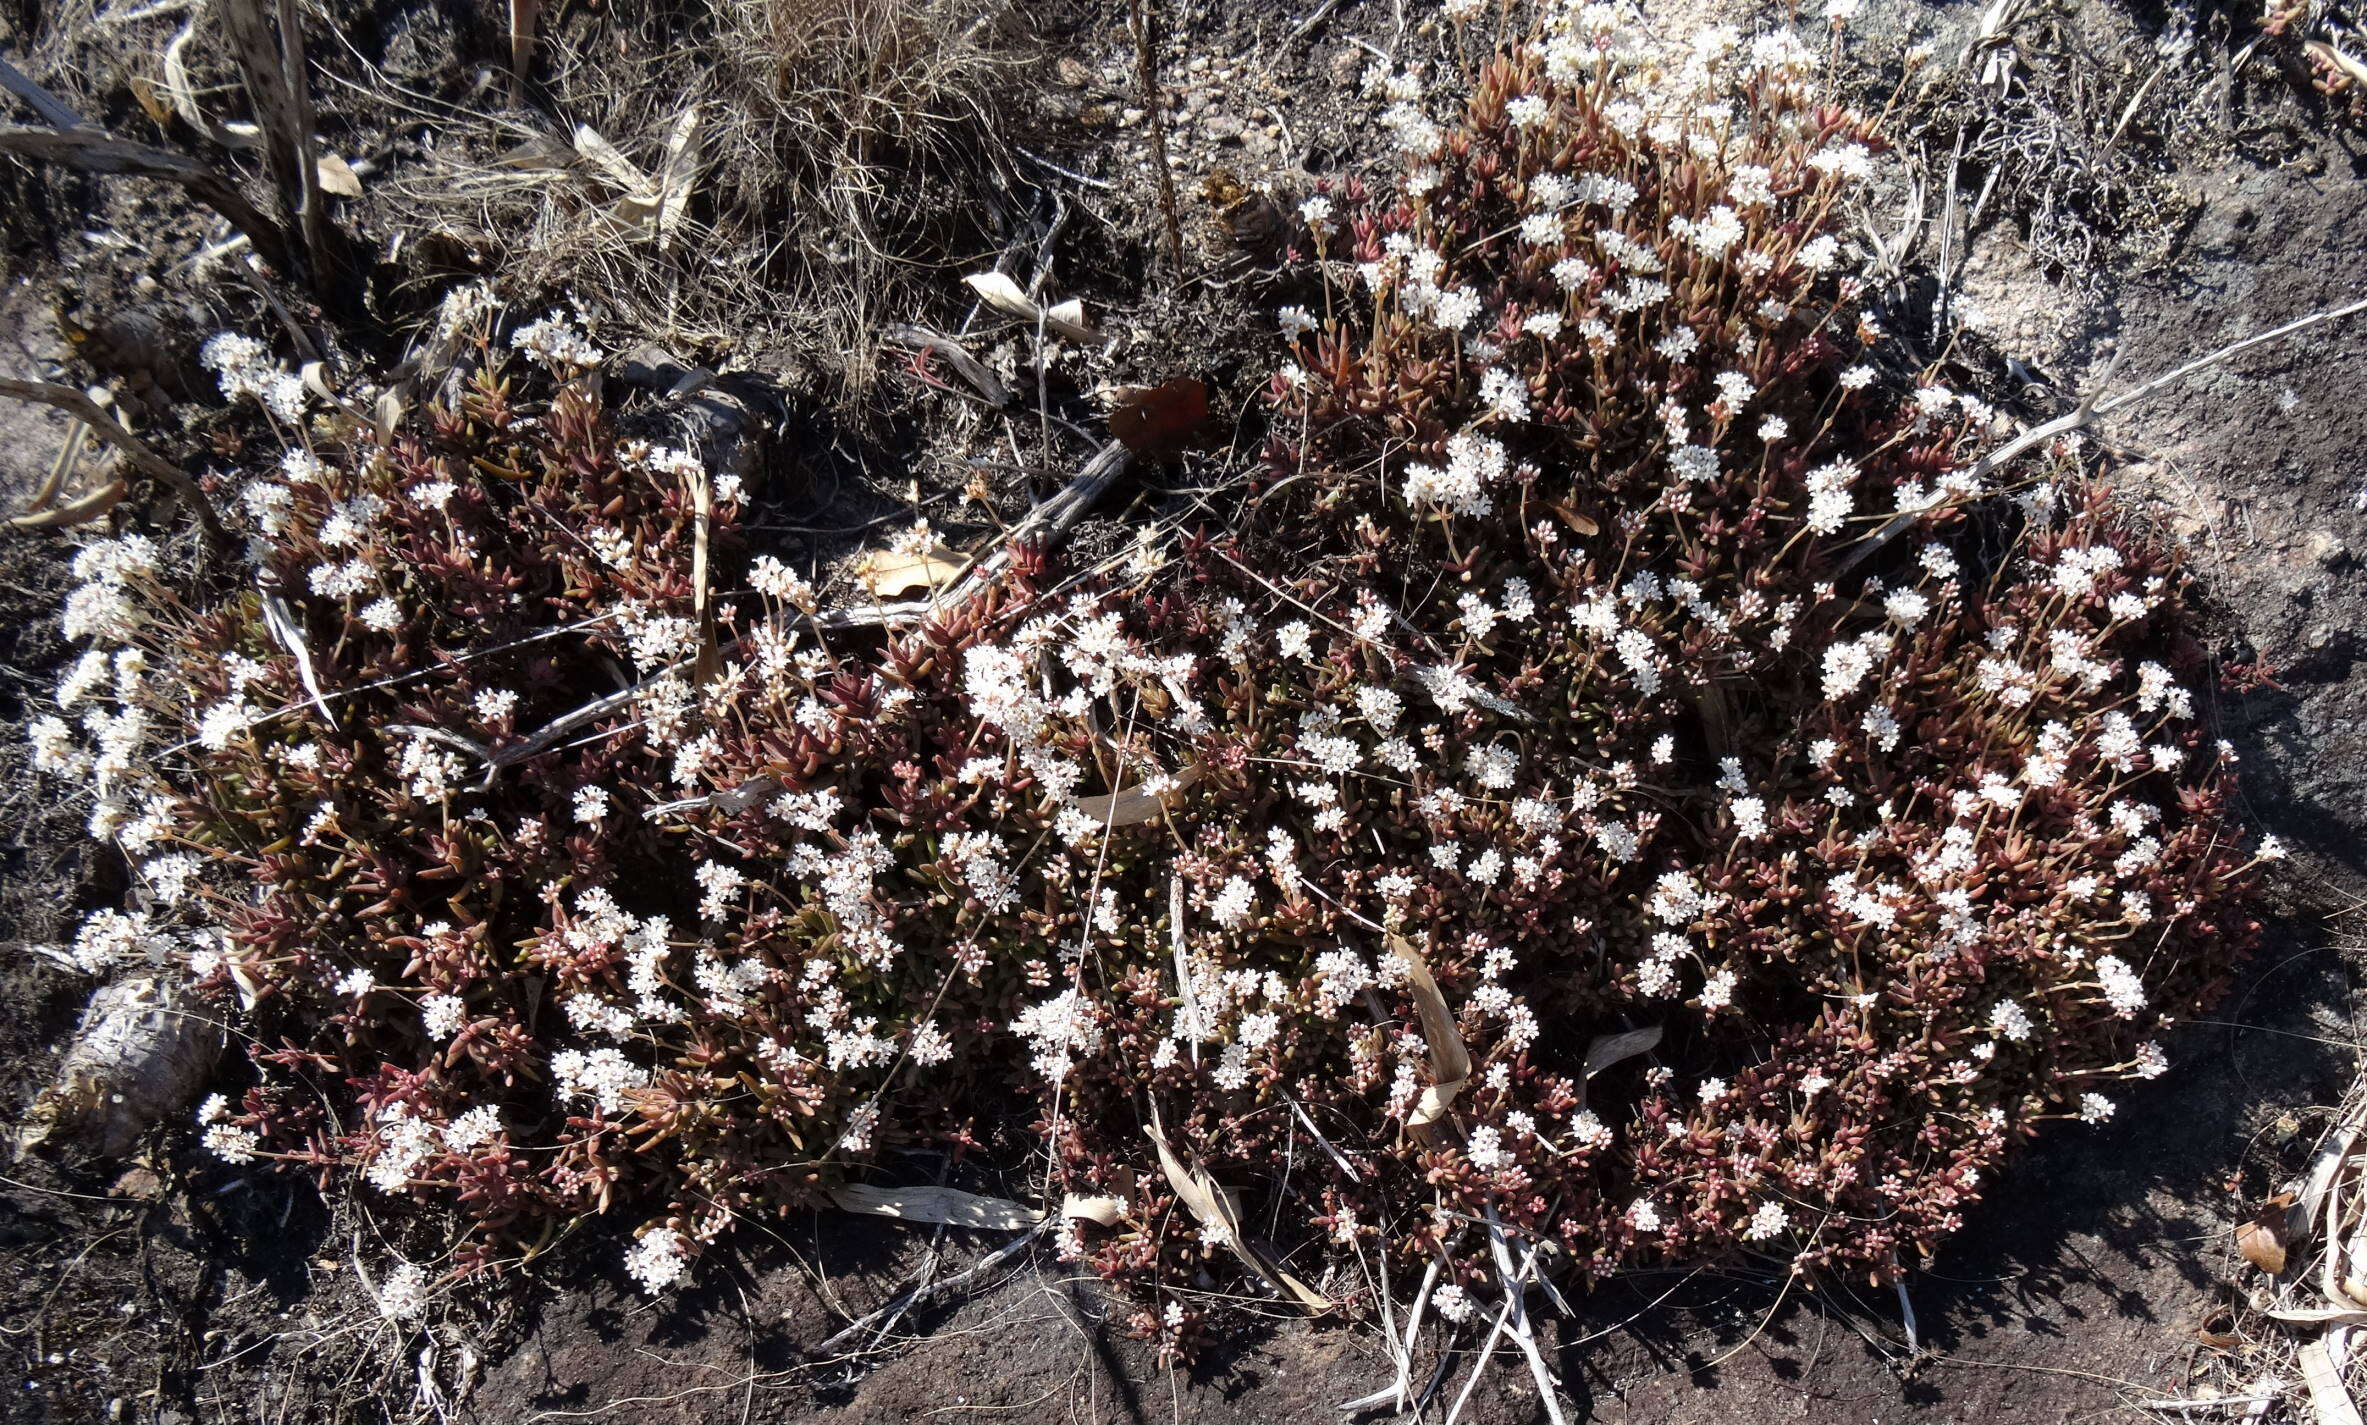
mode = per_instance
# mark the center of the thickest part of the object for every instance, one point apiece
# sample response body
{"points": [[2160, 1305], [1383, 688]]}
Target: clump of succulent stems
{"points": [[1599, 643]]}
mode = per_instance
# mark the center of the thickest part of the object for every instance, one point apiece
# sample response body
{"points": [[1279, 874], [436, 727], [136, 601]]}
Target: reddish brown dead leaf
{"points": [[1574, 520], [2262, 1238], [1162, 419]]}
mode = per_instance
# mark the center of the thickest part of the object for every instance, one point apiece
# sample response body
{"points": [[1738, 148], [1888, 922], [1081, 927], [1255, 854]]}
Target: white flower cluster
{"points": [[246, 371]]}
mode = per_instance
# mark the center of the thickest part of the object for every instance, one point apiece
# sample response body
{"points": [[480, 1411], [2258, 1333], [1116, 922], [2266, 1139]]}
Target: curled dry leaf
{"points": [[1066, 320], [937, 1205], [2262, 1239], [884, 575], [1450, 1061]]}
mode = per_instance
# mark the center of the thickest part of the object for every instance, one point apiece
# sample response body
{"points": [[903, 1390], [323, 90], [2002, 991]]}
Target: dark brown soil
{"points": [[178, 1291]]}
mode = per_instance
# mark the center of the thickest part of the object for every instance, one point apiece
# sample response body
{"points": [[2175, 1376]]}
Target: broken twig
{"points": [[79, 405]]}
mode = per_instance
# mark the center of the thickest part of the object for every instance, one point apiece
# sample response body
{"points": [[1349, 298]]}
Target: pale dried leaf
{"points": [[632, 218], [1132, 806], [1068, 319], [337, 176], [613, 164], [681, 165], [1609, 1049], [2323, 1168], [2320, 1315], [1108, 1211], [315, 375], [2329, 1398], [884, 574], [388, 411], [937, 1205], [1000, 292], [1450, 1061]]}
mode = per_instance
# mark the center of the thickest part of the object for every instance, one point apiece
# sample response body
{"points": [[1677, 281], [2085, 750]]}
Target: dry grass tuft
{"points": [[848, 155]]}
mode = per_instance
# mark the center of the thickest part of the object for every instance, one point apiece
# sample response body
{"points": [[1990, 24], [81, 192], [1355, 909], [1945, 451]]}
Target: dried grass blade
{"points": [[702, 499], [281, 621], [1222, 1222], [183, 93], [2319, 1315], [62, 467], [1188, 1017], [675, 175], [1339, 1159]]}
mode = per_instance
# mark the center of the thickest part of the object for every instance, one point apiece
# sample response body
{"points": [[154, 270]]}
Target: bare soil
{"points": [[177, 1290]]}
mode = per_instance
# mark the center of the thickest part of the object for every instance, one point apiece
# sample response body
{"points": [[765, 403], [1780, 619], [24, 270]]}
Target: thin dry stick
{"points": [[92, 151], [52, 110], [1146, 78], [1051, 519], [929, 1291], [2089, 410], [79, 405]]}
